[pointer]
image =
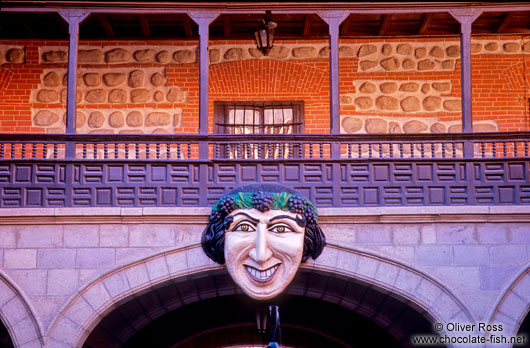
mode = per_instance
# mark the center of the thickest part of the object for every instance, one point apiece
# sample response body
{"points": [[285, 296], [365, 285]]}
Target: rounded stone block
{"points": [[387, 103], [366, 50], [390, 64], [491, 46], [526, 47], [279, 52], [51, 79], [158, 118], [438, 128], [394, 128], [441, 86], [425, 88], [410, 104], [15, 55], [96, 119], [387, 49], [414, 126], [136, 78], [113, 79], [163, 57], [453, 51], [437, 52], [351, 124], [408, 64], [364, 102], [425, 64], [511, 47], [420, 52], [456, 128], [116, 119], [144, 56], [346, 100], [184, 56], [452, 105], [45, 118], [484, 127], [160, 131], [476, 48], [118, 96], [92, 79], [47, 96], [215, 54], [157, 79], [376, 125], [176, 95], [367, 87], [304, 52], [135, 119], [90, 56], [367, 65], [409, 87], [158, 96], [78, 98], [117, 55], [346, 52], [79, 80], [80, 119], [140, 95], [432, 103], [448, 64], [233, 54], [54, 57], [405, 49], [388, 87]]}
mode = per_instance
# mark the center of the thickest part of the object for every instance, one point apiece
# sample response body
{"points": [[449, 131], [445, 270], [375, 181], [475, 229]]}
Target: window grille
{"points": [[258, 118]]}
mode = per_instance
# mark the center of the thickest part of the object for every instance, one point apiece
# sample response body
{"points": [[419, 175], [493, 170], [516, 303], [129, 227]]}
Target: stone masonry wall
{"points": [[50, 260], [411, 79]]}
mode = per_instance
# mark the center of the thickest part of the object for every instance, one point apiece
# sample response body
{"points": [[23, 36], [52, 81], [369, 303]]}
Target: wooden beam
{"points": [[144, 22], [187, 26], [427, 18], [345, 27], [504, 22], [384, 26], [227, 26], [104, 20], [307, 25]]}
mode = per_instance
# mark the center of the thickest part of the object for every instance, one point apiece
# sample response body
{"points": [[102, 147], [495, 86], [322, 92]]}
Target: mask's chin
{"points": [[262, 276]]}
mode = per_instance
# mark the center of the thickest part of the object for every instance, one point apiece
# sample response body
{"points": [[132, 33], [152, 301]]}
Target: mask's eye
{"points": [[280, 229], [244, 227]]}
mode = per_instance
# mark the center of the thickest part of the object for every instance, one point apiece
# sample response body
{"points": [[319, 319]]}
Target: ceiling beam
{"points": [[345, 28], [187, 26], [104, 20], [227, 23], [144, 22], [427, 18], [307, 25], [504, 22], [385, 24]]}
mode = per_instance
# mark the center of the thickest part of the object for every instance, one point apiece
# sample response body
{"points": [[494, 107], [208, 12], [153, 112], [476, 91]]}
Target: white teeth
{"points": [[263, 275]]}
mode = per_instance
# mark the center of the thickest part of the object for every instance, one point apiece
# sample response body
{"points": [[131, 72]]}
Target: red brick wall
{"points": [[500, 91]]}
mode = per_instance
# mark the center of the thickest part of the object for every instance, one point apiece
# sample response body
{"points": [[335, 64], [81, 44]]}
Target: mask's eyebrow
{"points": [[282, 217], [248, 216]]}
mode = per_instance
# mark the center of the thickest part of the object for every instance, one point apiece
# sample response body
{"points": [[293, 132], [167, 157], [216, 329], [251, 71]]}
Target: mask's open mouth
{"points": [[264, 275]]}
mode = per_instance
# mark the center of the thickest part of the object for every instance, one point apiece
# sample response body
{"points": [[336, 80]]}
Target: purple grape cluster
{"points": [[296, 204], [311, 216], [227, 204], [215, 216], [262, 201]]}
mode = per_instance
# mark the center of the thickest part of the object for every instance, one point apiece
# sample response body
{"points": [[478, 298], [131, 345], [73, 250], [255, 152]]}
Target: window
{"points": [[259, 118]]}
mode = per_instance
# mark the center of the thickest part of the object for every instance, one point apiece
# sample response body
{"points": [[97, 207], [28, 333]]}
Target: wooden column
{"points": [[333, 19], [74, 19]]}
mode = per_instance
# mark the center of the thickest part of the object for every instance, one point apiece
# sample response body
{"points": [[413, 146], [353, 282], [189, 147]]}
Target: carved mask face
{"points": [[263, 250]]}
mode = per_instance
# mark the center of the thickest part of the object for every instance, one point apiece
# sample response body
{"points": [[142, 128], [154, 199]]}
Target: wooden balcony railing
{"points": [[333, 170]]}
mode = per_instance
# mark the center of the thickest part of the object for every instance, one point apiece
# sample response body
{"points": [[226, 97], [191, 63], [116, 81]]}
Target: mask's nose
{"points": [[261, 252]]}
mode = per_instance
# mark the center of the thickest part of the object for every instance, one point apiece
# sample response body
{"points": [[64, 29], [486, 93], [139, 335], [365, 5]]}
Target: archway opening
{"points": [[5, 339], [208, 310]]}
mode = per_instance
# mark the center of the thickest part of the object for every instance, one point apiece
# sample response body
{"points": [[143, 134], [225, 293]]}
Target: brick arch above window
{"points": [[255, 77]]}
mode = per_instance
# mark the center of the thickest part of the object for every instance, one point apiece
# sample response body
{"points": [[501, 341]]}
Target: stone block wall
{"points": [[156, 87]]}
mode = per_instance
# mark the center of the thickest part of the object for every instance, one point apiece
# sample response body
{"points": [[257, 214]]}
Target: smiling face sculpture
{"points": [[263, 233]]}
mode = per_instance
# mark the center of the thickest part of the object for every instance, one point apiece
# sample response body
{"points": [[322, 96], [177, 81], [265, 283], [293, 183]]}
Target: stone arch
{"points": [[82, 313], [17, 315], [513, 304]]}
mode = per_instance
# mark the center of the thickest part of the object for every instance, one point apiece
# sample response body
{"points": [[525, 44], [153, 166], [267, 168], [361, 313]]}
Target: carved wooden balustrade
{"points": [[333, 170]]}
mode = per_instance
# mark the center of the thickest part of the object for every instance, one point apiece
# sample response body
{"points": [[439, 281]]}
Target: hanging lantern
{"points": [[265, 35]]}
